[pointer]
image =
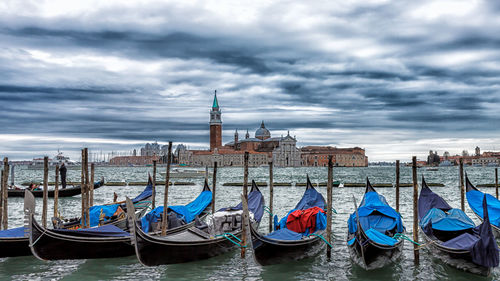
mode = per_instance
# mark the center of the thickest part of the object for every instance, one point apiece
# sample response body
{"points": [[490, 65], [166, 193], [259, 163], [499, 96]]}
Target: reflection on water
{"points": [[230, 266]]}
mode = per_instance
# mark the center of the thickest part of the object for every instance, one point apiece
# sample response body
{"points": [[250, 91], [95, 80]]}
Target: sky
{"points": [[398, 78]]}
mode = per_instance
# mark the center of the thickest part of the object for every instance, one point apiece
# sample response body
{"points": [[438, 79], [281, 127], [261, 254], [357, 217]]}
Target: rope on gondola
{"points": [[144, 204], [33, 244], [402, 236], [268, 210], [226, 235], [322, 238]]}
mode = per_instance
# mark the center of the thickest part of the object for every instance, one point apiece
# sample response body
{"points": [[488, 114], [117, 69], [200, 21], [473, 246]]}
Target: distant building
{"points": [[486, 161], [263, 148], [317, 156], [134, 160], [433, 158]]}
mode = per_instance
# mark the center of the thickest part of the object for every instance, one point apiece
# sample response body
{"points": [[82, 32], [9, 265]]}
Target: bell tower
{"points": [[215, 125]]}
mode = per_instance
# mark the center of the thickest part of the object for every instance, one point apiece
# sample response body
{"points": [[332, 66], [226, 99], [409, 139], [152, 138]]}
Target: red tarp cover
{"points": [[300, 220]]}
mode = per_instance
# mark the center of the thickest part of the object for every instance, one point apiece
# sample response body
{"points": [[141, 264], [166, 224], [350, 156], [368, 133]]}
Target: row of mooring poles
{"points": [[244, 199]]}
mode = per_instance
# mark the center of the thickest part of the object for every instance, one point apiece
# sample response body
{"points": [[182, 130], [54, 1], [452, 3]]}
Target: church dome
{"points": [[262, 133]]}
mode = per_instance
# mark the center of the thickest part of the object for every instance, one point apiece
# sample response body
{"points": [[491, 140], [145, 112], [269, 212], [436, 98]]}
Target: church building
{"points": [[262, 147]]}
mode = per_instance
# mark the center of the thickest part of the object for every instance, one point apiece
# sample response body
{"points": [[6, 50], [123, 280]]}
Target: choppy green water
{"points": [[230, 266]]}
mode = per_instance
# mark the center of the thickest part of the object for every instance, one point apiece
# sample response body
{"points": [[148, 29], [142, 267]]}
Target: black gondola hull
{"points": [[14, 247], [461, 260], [152, 250], [66, 192], [270, 251], [369, 255], [49, 245]]}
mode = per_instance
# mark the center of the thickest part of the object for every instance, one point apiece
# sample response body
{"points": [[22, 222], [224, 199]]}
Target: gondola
{"points": [[284, 244], [219, 235], [106, 241], [114, 213], [372, 240], [452, 236], [63, 192], [14, 242], [474, 198]]}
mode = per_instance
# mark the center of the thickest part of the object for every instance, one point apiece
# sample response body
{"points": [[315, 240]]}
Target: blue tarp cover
{"points": [[350, 242], [311, 198], [463, 241], [485, 251], [454, 220], [13, 232], [187, 212], [147, 192], [95, 213], [101, 231], [428, 200], [191, 210], [109, 210], [475, 199], [375, 213], [255, 205], [380, 238], [284, 234]]}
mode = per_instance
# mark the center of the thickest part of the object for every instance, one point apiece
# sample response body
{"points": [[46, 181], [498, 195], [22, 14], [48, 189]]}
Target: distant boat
{"points": [[63, 192], [445, 163], [185, 173], [432, 169]]}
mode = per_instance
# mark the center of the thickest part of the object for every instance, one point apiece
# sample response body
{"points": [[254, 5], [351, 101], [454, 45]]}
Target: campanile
{"points": [[215, 125]]}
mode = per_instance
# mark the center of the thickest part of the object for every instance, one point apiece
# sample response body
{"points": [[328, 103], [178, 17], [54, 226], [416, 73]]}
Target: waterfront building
{"points": [[263, 148], [317, 156], [134, 160]]}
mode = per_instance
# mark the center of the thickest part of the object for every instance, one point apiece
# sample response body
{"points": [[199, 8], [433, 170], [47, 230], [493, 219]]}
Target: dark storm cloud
{"points": [[177, 44], [140, 73]]}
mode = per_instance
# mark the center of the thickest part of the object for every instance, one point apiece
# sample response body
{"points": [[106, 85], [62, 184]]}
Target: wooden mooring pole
{"points": [[45, 190], [153, 199], [496, 181], [206, 173], [245, 195], [5, 194], [56, 193], [462, 192], [214, 184], [1, 198], [82, 189], [164, 221], [87, 187], [91, 186], [329, 207], [397, 186], [271, 196], [415, 211]]}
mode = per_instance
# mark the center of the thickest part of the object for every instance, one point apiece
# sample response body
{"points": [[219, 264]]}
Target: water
{"points": [[230, 266]]}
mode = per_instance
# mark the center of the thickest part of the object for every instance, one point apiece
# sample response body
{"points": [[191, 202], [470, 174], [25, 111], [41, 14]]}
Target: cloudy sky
{"points": [[397, 78]]}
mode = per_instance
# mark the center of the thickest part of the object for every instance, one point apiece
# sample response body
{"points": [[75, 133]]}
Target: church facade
{"points": [[263, 148]]}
